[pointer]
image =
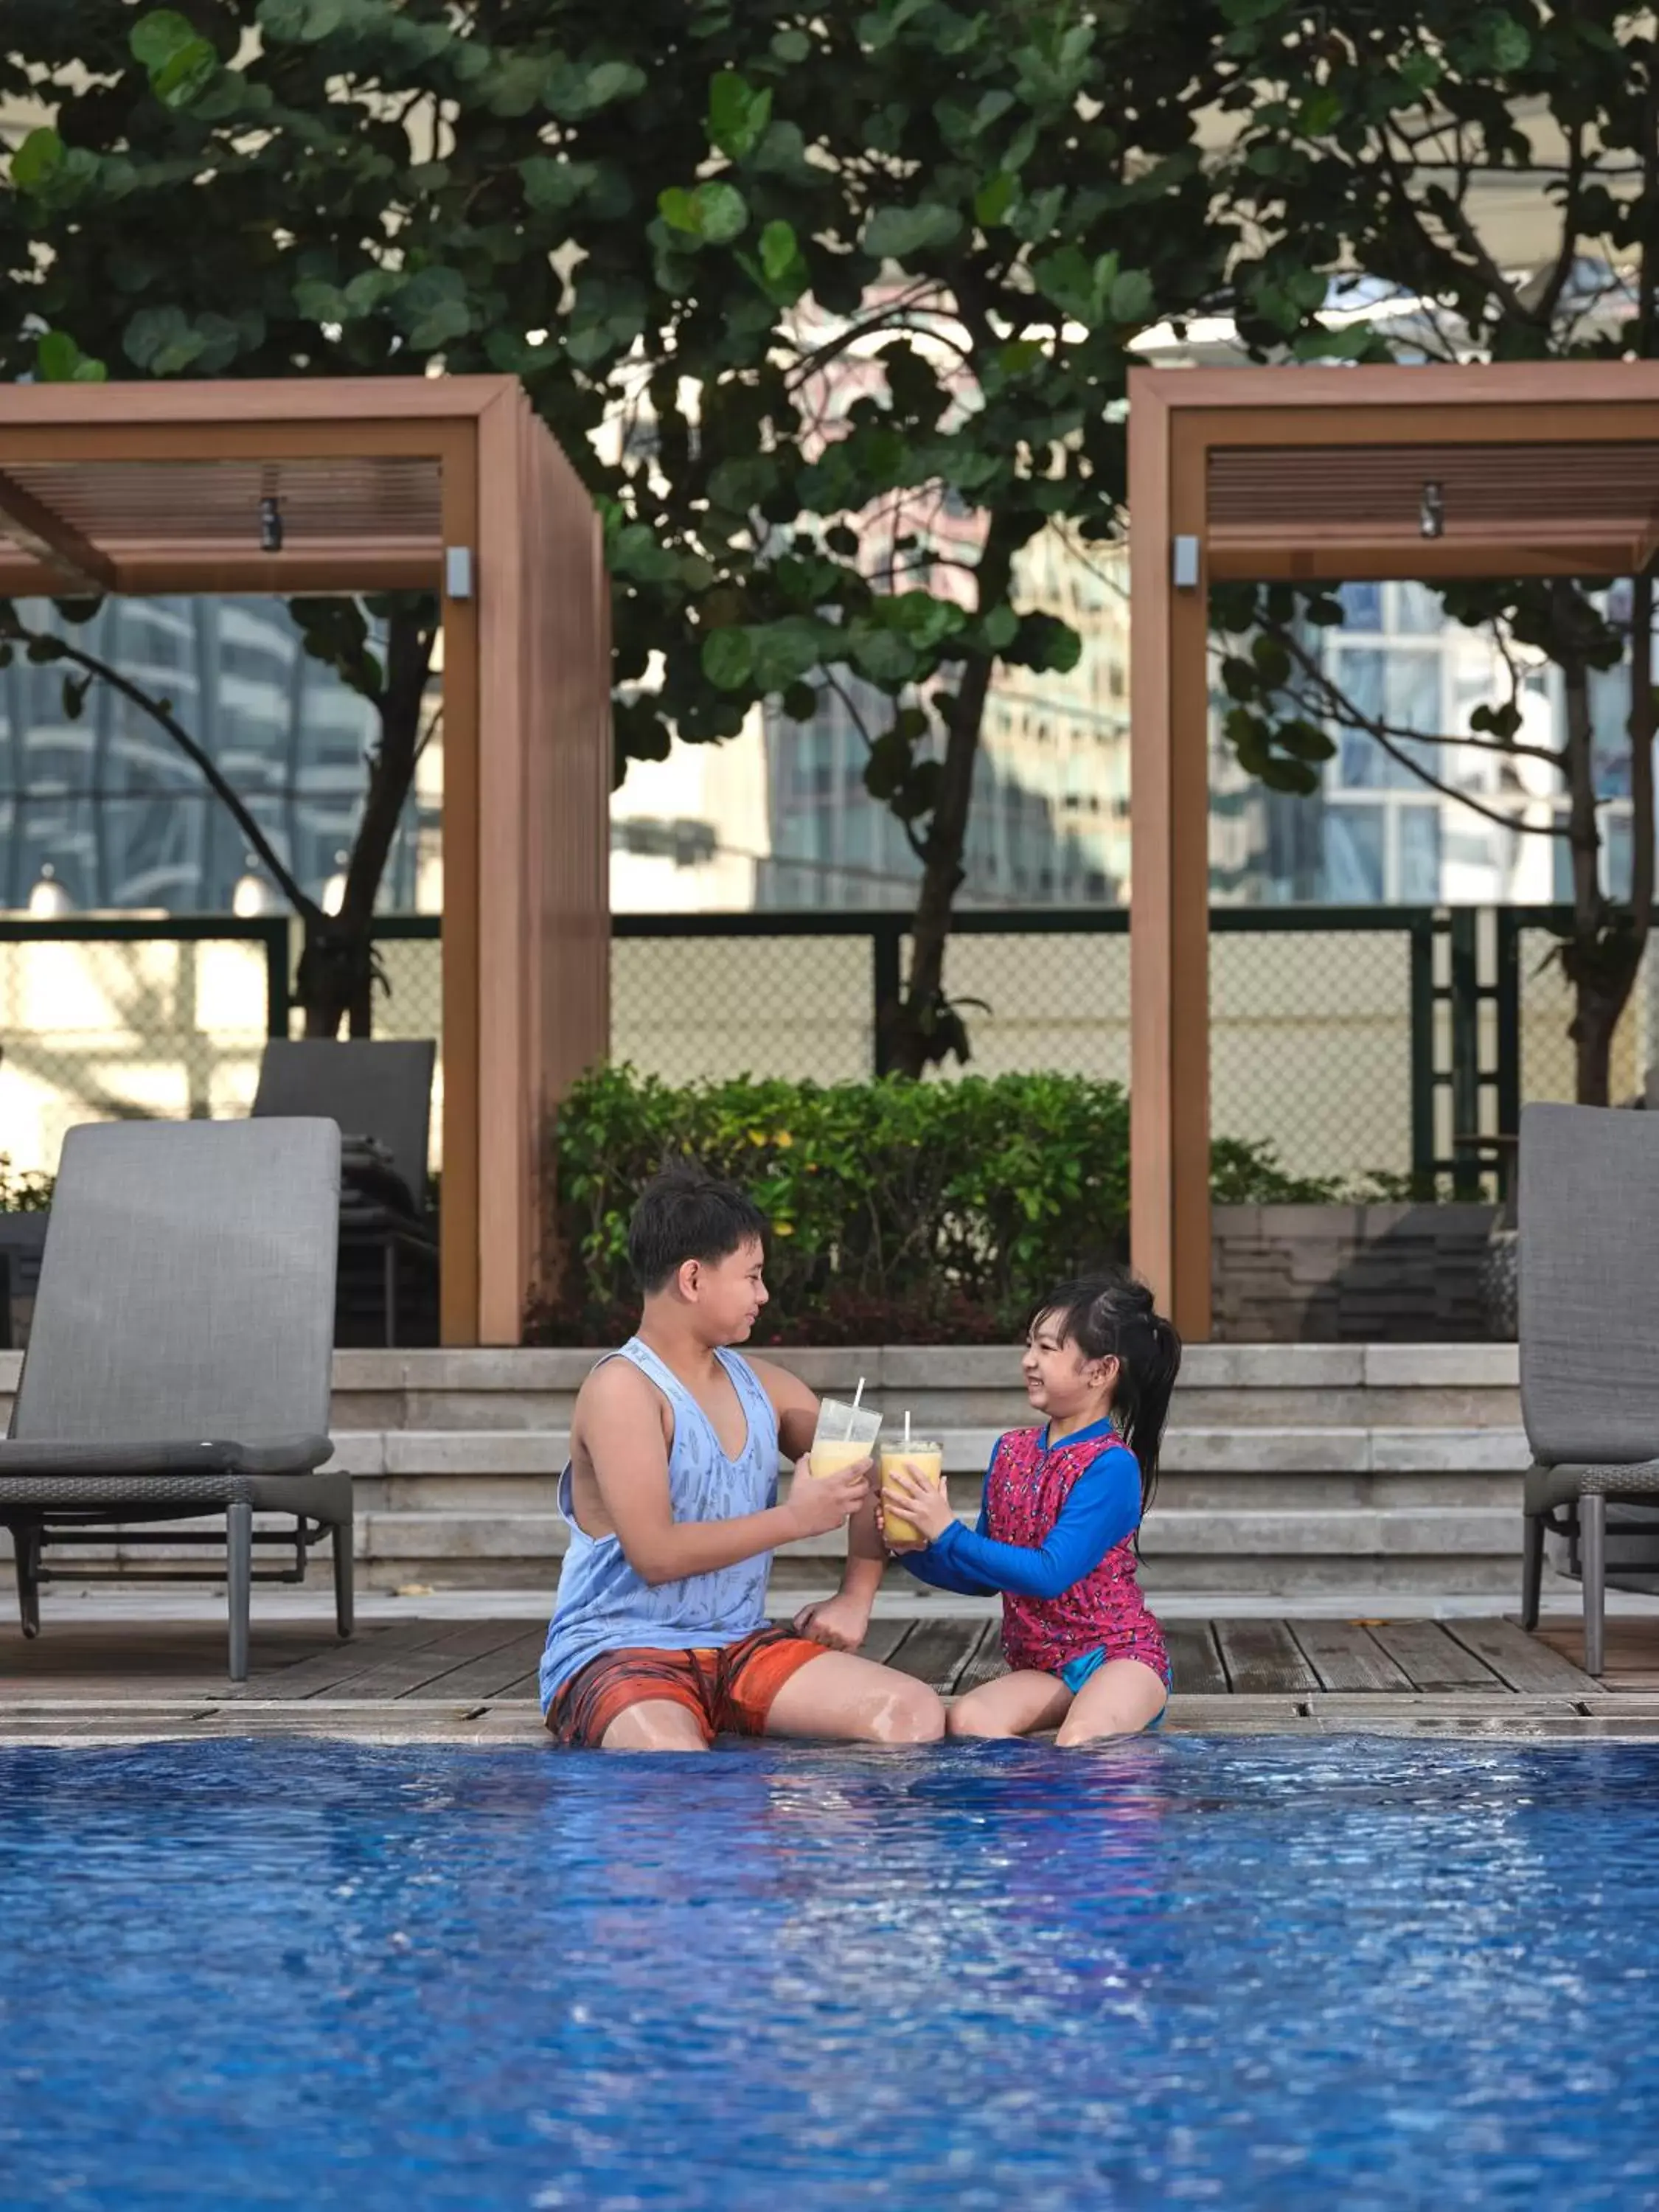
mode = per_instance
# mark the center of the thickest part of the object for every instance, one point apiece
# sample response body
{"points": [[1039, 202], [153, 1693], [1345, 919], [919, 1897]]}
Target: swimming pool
{"points": [[1240, 1972]]}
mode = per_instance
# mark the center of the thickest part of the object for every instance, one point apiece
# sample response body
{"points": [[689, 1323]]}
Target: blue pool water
{"points": [[1234, 1972]]}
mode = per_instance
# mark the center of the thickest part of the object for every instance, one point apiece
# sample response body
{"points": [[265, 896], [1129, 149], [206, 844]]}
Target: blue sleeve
{"points": [[932, 1566], [1103, 1511]]}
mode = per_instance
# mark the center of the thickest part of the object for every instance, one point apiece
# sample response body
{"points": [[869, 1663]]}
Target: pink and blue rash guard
{"points": [[1056, 1537]]}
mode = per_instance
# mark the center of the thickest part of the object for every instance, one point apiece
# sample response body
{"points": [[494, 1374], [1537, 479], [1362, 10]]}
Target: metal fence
{"points": [[1358, 1043]]}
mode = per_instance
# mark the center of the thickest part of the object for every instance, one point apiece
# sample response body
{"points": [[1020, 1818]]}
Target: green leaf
{"points": [[1503, 40], [993, 200], [925, 621], [715, 212], [737, 114], [444, 320], [180, 61], [799, 702], [998, 628], [1019, 355], [551, 186], [154, 40], [303, 22], [1272, 662], [881, 654], [56, 357], [894, 233], [39, 158], [571, 92], [792, 46], [678, 210], [162, 341], [728, 659], [779, 251], [1131, 298]]}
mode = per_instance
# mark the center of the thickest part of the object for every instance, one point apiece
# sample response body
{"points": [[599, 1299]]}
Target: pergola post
{"points": [[1169, 890]]}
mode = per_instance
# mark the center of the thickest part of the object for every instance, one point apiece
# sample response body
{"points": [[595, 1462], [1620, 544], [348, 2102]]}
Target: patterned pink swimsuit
{"points": [[1024, 1490]]}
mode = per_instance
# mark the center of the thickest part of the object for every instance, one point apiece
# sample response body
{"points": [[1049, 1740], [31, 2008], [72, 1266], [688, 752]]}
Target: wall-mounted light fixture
{"points": [[1432, 512], [270, 524]]}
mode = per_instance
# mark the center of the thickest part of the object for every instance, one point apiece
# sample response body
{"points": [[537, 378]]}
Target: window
{"points": [[1362, 605], [1353, 856], [1419, 855]]}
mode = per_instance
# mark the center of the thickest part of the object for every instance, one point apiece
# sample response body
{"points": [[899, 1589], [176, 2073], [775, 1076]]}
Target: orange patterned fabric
{"points": [[728, 1691]]}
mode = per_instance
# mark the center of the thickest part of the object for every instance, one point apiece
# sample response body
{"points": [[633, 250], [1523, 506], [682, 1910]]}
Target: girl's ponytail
{"points": [[1110, 1317]]}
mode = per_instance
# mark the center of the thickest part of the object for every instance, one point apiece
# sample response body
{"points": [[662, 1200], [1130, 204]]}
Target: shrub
{"points": [[901, 1212], [23, 1190]]}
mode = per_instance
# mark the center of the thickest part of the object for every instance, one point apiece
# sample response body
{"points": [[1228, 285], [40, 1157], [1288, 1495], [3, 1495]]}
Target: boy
{"points": [[660, 1639]]}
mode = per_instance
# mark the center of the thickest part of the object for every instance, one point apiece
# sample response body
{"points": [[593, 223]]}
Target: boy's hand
{"points": [[818, 1504], [925, 1506], [838, 1623]]}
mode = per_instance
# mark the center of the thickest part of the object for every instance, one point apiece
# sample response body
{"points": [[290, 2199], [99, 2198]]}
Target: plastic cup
{"points": [[926, 1460], [845, 1436]]}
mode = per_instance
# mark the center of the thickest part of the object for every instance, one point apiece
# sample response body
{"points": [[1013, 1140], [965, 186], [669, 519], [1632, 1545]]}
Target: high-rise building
{"points": [[104, 804], [1049, 824]]}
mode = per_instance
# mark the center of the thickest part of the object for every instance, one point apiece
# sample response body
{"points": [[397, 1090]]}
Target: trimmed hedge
{"points": [[901, 1212]]}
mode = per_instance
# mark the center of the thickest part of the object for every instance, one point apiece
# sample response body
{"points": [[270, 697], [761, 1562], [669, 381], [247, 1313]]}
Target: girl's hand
{"points": [[925, 1504], [897, 1549]]}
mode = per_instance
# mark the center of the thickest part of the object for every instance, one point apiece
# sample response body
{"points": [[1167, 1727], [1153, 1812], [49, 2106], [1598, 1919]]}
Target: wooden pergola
{"points": [[443, 484], [1304, 476]]}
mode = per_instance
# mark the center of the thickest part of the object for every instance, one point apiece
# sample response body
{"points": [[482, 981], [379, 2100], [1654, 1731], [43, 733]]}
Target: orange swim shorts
{"points": [[728, 1691]]}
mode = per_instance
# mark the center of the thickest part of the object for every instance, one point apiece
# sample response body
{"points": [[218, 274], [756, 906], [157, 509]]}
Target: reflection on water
{"points": [[1241, 1972]]}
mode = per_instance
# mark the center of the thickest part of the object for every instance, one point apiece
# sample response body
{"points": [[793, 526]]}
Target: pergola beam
{"points": [[57, 544]]}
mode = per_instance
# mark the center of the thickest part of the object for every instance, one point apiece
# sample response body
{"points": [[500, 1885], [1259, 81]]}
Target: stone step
{"points": [[1280, 1451], [953, 1387]]}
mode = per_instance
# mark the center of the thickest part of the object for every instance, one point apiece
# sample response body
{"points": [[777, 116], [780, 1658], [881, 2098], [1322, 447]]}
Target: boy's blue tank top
{"points": [[604, 1606]]}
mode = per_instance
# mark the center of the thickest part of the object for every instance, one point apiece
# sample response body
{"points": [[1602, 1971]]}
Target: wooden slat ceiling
{"points": [[1268, 505], [200, 516]]}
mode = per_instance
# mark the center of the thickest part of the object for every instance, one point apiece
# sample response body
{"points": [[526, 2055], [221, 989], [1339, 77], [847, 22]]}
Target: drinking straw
{"points": [[858, 1396], [906, 1428]]}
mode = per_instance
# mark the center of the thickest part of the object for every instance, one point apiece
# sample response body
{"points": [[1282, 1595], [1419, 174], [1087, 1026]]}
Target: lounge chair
{"points": [[381, 1094], [1589, 1347], [181, 1359]]}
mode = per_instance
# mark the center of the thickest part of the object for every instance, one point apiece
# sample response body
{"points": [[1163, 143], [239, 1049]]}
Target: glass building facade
{"points": [[105, 803]]}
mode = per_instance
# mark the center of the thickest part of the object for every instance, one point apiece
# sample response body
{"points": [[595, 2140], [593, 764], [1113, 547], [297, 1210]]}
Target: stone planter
{"points": [[1352, 1274]]}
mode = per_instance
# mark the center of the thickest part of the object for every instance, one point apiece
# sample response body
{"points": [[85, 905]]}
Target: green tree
{"points": [[1381, 147], [691, 214]]}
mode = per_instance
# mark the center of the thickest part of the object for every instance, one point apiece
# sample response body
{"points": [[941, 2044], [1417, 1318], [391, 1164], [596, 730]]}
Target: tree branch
{"points": [[1394, 746]]}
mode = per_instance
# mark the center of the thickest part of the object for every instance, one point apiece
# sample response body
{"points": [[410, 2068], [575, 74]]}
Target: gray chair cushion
{"points": [[187, 1290], [104, 1499], [264, 1455], [1548, 1487], [1590, 1253], [369, 1087]]}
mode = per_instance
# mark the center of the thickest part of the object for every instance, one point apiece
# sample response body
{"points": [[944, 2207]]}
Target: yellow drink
{"points": [[926, 1460], [834, 1458]]}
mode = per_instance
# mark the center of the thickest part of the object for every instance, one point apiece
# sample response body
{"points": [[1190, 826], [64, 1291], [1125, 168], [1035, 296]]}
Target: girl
{"points": [[1057, 1532]]}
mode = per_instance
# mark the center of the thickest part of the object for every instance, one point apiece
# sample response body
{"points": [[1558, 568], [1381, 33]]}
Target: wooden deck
{"points": [[475, 1681]]}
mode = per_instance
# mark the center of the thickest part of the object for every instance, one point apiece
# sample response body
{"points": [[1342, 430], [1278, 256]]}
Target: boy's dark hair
{"points": [[685, 1213]]}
